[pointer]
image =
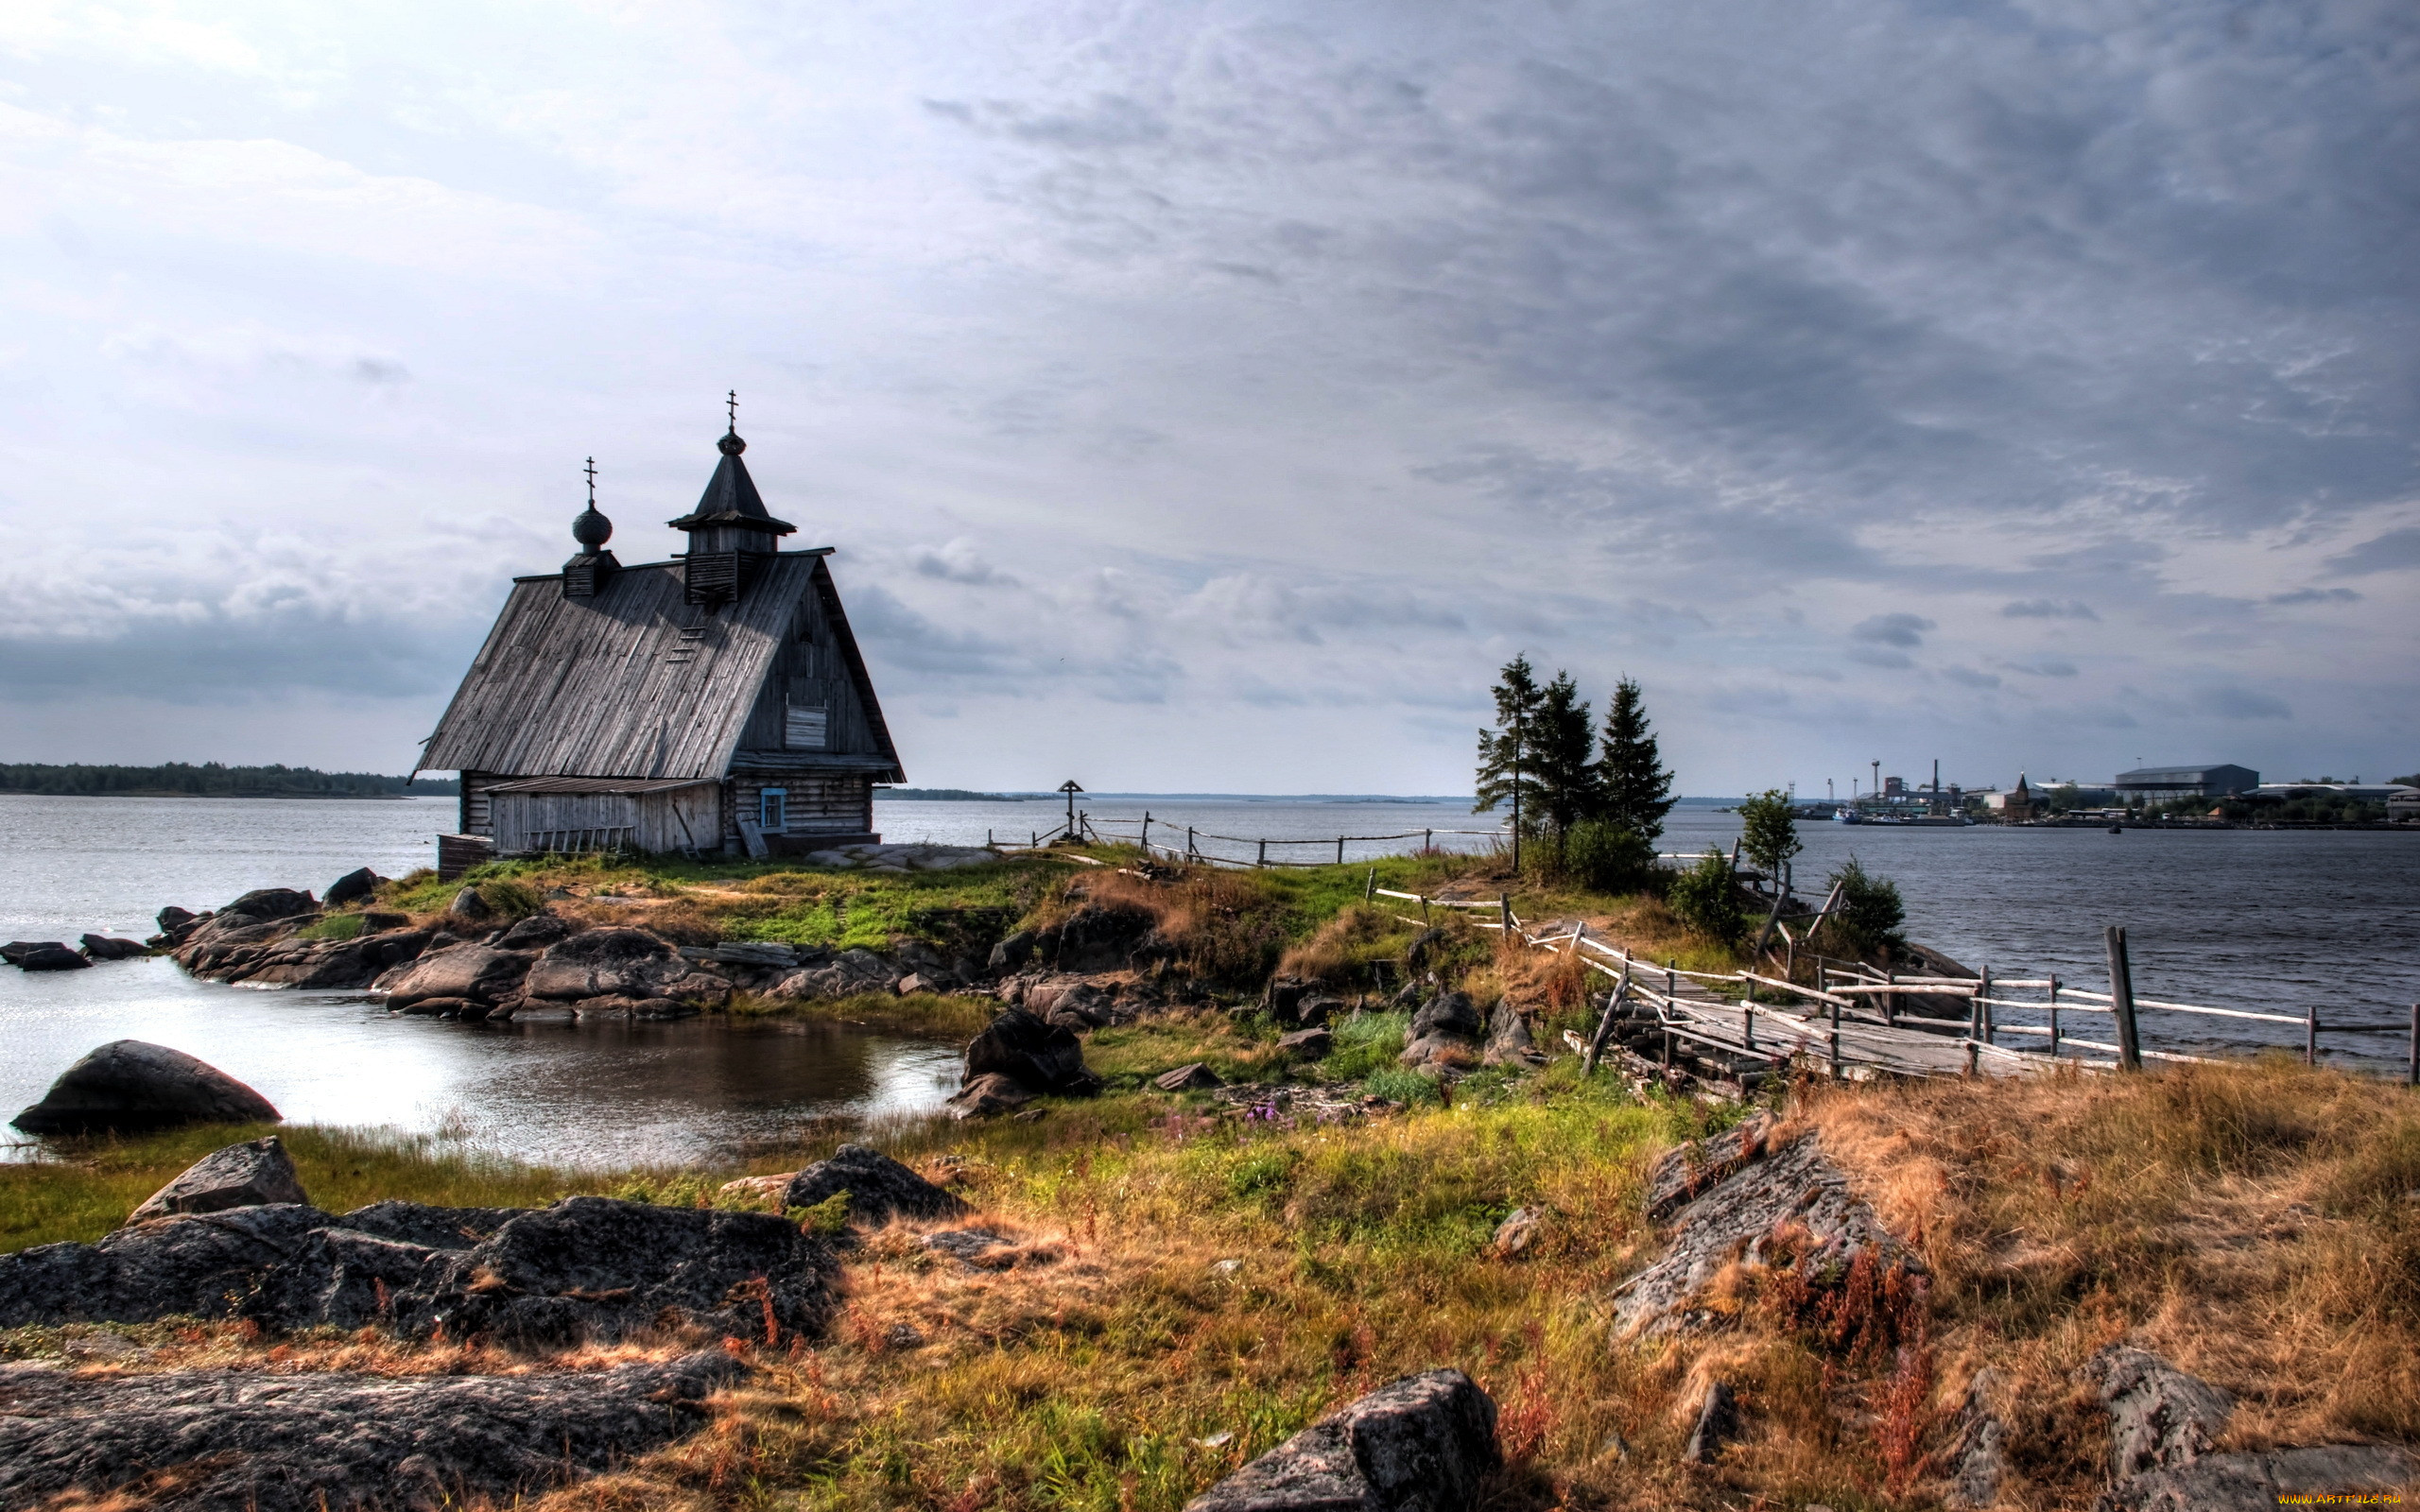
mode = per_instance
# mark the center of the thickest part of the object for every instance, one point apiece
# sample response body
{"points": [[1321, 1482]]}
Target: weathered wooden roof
{"points": [[633, 683]]}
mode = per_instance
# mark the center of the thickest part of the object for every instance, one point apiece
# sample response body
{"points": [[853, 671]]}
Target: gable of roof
{"points": [[633, 683]]}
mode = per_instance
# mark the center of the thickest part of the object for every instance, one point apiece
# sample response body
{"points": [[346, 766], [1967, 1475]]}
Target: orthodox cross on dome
{"points": [[731, 402], [591, 482]]}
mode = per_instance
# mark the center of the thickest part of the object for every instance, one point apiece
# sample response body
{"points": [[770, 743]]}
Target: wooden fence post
{"points": [[1370, 893], [1339, 849], [1190, 854], [1983, 1006], [1147, 832], [2311, 1032], [1605, 1025], [1504, 906], [2054, 1015], [1891, 999], [2413, 1076], [1427, 844], [2122, 998], [1264, 854]]}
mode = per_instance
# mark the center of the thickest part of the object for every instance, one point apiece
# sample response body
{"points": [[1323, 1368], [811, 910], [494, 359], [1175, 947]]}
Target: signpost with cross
{"points": [[1070, 788]]}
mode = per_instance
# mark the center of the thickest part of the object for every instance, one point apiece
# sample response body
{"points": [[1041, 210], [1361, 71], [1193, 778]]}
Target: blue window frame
{"points": [[772, 810]]}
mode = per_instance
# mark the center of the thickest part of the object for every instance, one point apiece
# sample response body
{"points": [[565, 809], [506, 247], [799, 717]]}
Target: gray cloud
{"points": [[2392, 551], [2240, 703], [2045, 608], [1894, 629], [1286, 362]]}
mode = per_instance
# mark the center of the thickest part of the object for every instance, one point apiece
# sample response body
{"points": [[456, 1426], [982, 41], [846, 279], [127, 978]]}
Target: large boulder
{"points": [[1762, 1203], [353, 887], [600, 1269], [336, 1441], [1425, 1443], [129, 1085], [850, 973], [479, 973], [588, 1268], [201, 1265], [2164, 1425], [241, 1176], [43, 955], [1039, 1056], [878, 1187], [102, 948]]}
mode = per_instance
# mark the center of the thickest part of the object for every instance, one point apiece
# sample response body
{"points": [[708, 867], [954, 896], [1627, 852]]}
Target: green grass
{"points": [[94, 1183], [335, 926], [923, 1015]]}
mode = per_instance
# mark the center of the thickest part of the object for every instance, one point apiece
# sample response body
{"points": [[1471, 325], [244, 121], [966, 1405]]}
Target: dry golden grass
{"points": [[2256, 1223], [1181, 1291]]}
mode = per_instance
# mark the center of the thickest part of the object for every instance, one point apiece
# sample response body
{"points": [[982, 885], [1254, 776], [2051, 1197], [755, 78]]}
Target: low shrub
{"points": [[1706, 898], [1869, 910], [336, 926], [1606, 857]]}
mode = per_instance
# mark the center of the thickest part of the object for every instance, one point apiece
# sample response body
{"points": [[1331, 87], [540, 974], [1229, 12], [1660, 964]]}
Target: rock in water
{"points": [[102, 948], [1423, 1442], [240, 1176], [877, 1186], [43, 955], [1036, 1055], [336, 1441], [474, 972], [129, 1085], [351, 888], [272, 902]]}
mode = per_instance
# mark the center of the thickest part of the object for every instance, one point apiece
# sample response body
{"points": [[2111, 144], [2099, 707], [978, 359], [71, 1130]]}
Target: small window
{"points": [[772, 810], [805, 727]]}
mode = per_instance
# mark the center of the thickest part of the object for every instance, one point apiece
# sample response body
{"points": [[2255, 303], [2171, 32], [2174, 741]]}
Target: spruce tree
{"points": [[1633, 789], [1505, 769], [1560, 749]]}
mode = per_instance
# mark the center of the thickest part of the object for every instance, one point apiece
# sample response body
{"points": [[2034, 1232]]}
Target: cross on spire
{"points": [[591, 483], [733, 403]]}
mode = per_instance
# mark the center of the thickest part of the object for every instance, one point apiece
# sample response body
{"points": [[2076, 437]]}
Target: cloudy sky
{"points": [[1211, 396]]}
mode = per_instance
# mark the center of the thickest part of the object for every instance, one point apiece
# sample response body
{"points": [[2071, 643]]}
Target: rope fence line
{"points": [[1087, 827]]}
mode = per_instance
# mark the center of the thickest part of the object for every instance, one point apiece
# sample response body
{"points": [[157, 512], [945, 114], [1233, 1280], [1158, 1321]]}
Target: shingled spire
{"points": [[588, 570], [729, 530]]}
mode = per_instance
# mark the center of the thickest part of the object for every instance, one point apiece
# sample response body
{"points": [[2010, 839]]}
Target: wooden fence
{"points": [[1854, 1021]]}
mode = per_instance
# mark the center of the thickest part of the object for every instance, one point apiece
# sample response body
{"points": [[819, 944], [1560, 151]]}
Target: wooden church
{"points": [[716, 702]]}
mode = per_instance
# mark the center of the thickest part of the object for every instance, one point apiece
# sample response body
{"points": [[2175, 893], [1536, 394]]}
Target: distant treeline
{"points": [[209, 780], [946, 795]]}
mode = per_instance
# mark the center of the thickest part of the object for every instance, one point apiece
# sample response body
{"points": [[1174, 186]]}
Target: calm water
{"points": [[2237, 918], [591, 1094]]}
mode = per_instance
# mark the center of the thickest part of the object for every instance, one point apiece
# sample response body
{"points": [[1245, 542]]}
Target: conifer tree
{"points": [[1559, 749], [1633, 789], [1505, 773]]}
